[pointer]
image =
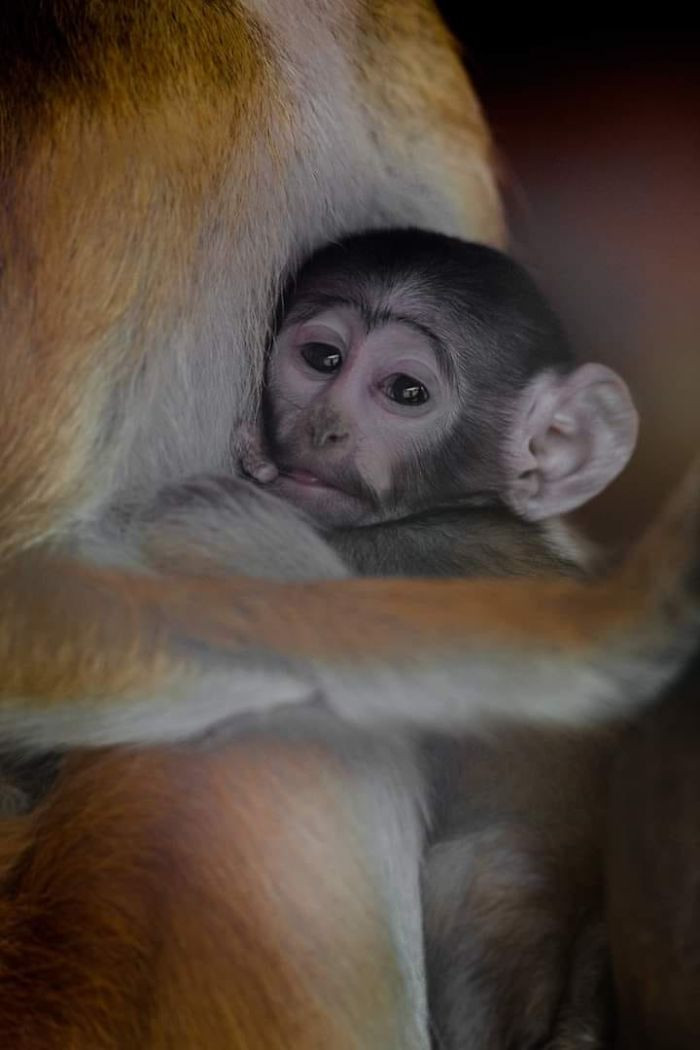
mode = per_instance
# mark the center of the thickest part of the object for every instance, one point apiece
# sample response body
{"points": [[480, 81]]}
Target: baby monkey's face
{"points": [[415, 371], [350, 400]]}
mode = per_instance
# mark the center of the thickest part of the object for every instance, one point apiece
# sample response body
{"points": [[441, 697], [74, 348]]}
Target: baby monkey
{"points": [[424, 409], [420, 382]]}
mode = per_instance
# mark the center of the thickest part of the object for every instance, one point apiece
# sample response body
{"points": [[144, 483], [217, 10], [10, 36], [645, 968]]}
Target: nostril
{"points": [[328, 437], [329, 434]]}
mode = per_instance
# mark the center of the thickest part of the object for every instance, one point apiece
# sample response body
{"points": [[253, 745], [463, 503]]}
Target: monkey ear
{"points": [[571, 435]]}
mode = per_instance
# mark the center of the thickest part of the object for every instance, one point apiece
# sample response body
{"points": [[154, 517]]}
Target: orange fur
{"points": [[118, 125], [165, 899], [133, 637], [177, 900], [83, 291], [141, 904]]}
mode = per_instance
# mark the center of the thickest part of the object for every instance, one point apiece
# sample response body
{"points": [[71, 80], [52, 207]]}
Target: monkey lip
{"points": [[305, 478]]}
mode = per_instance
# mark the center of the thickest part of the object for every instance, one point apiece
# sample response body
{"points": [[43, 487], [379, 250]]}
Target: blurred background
{"points": [[598, 138]]}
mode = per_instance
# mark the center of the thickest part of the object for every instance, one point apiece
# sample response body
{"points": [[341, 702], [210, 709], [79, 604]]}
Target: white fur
{"points": [[176, 416], [479, 688]]}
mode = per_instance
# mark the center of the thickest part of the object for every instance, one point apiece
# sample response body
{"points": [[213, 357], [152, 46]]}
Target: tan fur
{"points": [[136, 624], [139, 918], [163, 165], [143, 141], [136, 140]]}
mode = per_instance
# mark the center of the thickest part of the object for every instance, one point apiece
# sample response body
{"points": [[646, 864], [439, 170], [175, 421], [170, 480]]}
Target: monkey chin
{"points": [[327, 505]]}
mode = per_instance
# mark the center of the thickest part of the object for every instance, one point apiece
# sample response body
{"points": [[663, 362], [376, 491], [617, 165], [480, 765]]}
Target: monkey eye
{"points": [[406, 390], [322, 357]]}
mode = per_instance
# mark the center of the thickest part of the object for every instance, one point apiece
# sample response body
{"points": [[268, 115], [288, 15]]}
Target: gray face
{"points": [[415, 370], [349, 401]]}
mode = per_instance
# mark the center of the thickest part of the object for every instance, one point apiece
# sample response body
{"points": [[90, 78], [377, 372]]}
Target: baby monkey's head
{"points": [[414, 370]]}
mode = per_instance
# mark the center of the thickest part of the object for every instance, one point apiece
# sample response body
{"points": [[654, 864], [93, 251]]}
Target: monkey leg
{"points": [[513, 891], [654, 861], [511, 962], [585, 1015], [485, 915], [262, 895]]}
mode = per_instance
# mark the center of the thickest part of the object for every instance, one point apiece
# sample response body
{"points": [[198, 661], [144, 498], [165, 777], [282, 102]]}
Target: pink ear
{"points": [[570, 436]]}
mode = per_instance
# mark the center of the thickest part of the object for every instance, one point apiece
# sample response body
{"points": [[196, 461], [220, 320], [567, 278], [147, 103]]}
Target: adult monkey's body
{"points": [[164, 164]]}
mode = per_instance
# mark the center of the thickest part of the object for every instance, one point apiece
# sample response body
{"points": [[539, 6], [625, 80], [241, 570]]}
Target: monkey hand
{"points": [[254, 460]]}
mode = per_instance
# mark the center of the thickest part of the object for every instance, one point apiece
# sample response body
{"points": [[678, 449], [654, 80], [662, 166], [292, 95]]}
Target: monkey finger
{"points": [[255, 464], [262, 471]]}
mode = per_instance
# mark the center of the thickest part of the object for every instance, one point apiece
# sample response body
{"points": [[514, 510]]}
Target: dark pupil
{"points": [[321, 357], [407, 391]]}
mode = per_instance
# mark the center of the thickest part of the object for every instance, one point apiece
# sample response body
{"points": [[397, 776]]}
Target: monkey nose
{"points": [[323, 436]]}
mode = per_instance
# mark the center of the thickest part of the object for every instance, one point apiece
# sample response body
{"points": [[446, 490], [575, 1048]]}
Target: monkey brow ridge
{"points": [[375, 317]]}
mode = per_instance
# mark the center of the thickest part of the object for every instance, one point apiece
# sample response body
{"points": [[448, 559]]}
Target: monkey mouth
{"points": [[301, 478], [332, 503], [305, 477]]}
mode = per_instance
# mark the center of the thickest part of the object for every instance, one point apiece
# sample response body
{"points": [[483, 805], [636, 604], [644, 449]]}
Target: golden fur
{"points": [[167, 899]]}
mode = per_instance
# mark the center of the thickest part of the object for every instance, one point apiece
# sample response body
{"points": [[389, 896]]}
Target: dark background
{"points": [[599, 136], [597, 133]]}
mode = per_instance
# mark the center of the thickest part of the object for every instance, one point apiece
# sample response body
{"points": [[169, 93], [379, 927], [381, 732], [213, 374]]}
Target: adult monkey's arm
{"points": [[163, 658]]}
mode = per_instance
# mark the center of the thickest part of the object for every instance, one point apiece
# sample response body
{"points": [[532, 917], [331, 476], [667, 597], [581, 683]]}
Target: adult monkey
{"points": [[164, 164]]}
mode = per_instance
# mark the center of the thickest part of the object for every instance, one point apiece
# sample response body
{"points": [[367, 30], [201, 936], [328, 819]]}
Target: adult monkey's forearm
{"points": [[146, 657]]}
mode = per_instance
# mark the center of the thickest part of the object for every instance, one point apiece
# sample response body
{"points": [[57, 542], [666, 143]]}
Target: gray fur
{"points": [[457, 542]]}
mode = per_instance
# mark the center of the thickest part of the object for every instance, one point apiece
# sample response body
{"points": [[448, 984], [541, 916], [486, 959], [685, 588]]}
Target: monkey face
{"points": [[416, 370], [349, 403]]}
